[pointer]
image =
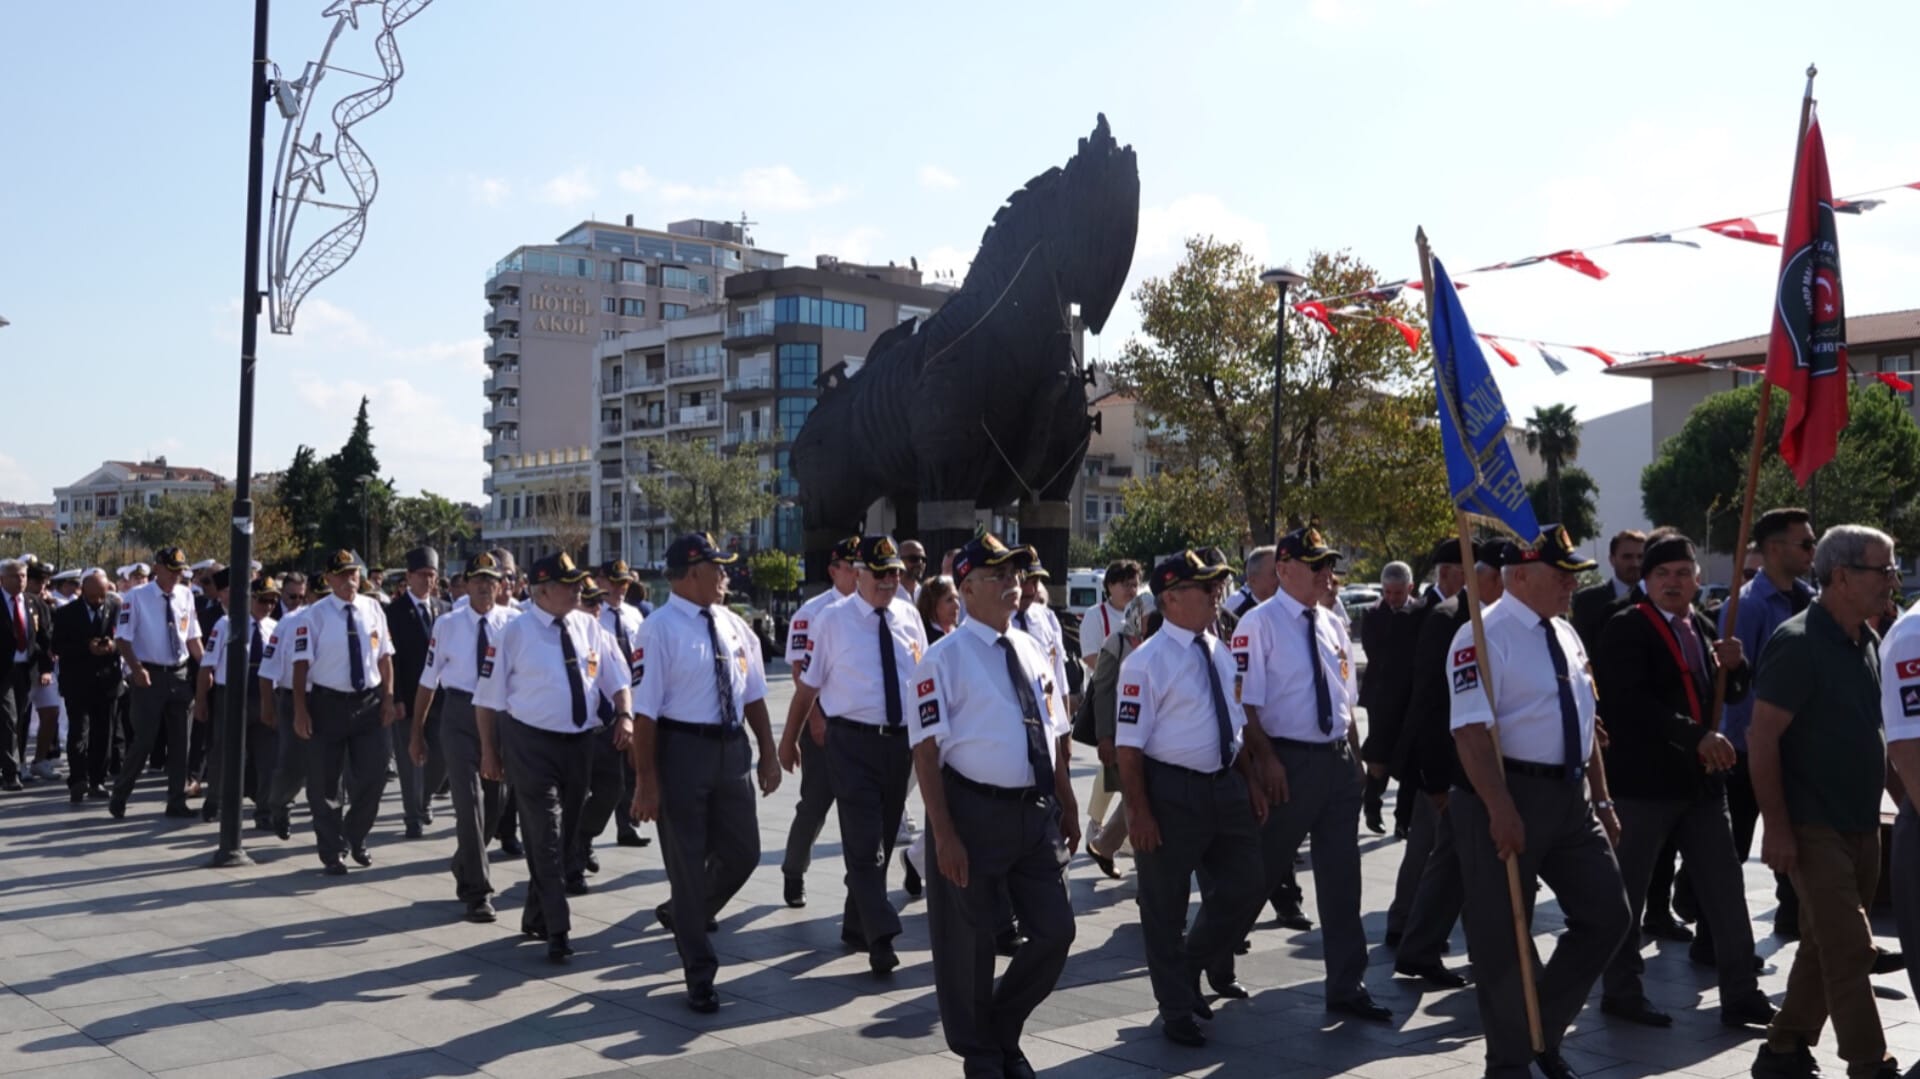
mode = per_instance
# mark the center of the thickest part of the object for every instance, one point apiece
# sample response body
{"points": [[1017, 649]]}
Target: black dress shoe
{"points": [[593, 862], [558, 949], [632, 839], [881, 958], [1886, 962], [796, 892], [511, 847], [481, 911], [1362, 1007], [282, 825], [1289, 916], [1105, 862], [1797, 1063], [180, 811], [1183, 1030], [97, 791], [1554, 1066], [77, 795], [1232, 990], [1666, 929], [1008, 942], [116, 806], [12, 783], [414, 831], [1433, 975], [209, 811], [1015, 1065], [1756, 1011], [576, 884], [1636, 1011], [705, 1001], [360, 857], [336, 869], [913, 884], [1374, 823]]}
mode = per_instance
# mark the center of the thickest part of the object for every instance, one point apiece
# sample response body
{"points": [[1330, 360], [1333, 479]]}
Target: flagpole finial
{"points": [[1812, 71]]}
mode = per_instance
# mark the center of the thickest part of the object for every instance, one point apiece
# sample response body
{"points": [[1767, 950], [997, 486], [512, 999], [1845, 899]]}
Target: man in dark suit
{"points": [[1656, 667], [410, 618], [1594, 605], [1387, 633], [90, 682], [26, 661]]}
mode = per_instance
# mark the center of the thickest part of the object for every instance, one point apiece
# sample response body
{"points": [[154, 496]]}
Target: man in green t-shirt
{"points": [[1819, 762]]}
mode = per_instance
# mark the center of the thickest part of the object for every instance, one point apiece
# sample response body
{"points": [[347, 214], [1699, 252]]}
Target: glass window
{"points": [[672, 311], [702, 284], [675, 277], [610, 305], [633, 272], [653, 248], [799, 366], [1093, 510], [633, 308], [792, 413], [701, 254], [609, 335]]}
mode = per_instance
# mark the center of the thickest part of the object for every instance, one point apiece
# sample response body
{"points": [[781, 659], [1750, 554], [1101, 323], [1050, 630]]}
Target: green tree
{"points": [[355, 474], [429, 519], [1696, 479], [1577, 508], [562, 508], [774, 572], [1553, 435], [1167, 512], [202, 524], [306, 491], [1204, 366], [1083, 552], [1384, 493], [705, 491]]}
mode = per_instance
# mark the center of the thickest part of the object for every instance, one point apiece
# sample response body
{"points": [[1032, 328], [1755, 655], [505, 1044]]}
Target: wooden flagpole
{"points": [[1753, 454], [1522, 937]]}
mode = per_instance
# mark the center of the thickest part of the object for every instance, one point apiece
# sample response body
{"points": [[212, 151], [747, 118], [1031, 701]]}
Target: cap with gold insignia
{"points": [[1038, 572], [556, 568], [265, 588], [483, 565], [616, 570], [172, 558], [592, 593], [695, 548], [847, 550], [987, 550], [344, 561], [879, 554], [1304, 545], [1188, 565], [1555, 548]]}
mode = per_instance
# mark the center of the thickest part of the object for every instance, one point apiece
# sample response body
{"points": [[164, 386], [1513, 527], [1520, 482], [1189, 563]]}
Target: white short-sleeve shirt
{"points": [[1276, 671], [800, 629], [1525, 708], [453, 658], [525, 673], [1900, 678], [674, 672], [1165, 705], [843, 657], [216, 646], [963, 698], [321, 642], [622, 623], [144, 613], [276, 660]]}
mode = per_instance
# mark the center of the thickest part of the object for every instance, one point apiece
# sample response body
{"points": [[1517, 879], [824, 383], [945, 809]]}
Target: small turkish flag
{"points": [[1908, 668]]}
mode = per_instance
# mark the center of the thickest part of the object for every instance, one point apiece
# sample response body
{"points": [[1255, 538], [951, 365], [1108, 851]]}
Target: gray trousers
{"points": [[1905, 879], [166, 704], [1565, 849], [476, 801], [810, 815], [1703, 834], [1437, 898], [1413, 860], [346, 735], [709, 835], [548, 771], [1014, 849], [605, 786], [289, 759], [1206, 827], [1323, 801], [216, 733], [417, 781], [870, 768]]}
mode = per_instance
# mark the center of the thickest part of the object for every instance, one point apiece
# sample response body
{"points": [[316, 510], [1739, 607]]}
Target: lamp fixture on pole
{"points": [[1281, 278]]}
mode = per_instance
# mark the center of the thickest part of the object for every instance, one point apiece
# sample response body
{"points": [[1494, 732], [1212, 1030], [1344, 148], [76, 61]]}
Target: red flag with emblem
{"points": [[1807, 353]]}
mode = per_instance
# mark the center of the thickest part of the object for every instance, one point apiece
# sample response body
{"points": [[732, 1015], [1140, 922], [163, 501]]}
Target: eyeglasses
{"points": [[1891, 573]]}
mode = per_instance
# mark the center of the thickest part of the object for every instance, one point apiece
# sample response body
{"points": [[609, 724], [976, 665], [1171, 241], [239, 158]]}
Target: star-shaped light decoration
{"points": [[348, 9], [306, 164]]}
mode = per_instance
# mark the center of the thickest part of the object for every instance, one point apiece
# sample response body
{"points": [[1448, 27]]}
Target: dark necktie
{"points": [[1569, 711], [1690, 648], [425, 612], [255, 648], [356, 663], [1030, 713], [890, 670], [1222, 725], [1020, 619], [722, 678], [576, 686], [479, 651], [93, 618], [1322, 699], [175, 647]]}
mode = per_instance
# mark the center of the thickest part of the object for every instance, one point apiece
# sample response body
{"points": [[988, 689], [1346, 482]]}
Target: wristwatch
{"points": [[1608, 804]]}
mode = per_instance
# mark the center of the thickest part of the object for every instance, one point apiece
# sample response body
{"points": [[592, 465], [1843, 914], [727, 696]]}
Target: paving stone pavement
{"points": [[121, 954]]}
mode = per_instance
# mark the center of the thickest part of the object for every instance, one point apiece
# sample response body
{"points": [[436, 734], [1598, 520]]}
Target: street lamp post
{"points": [[1281, 278]]}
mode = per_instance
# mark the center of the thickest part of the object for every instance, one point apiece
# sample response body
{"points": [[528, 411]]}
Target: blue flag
{"points": [[1481, 475]]}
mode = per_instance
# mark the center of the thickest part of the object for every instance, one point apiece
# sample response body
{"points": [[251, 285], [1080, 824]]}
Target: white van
{"points": [[1084, 590]]}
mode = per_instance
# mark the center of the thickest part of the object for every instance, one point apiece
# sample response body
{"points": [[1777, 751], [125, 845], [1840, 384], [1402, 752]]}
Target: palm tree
{"points": [[1553, 435]]}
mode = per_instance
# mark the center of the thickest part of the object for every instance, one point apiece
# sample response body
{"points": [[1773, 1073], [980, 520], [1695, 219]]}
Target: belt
{"points": [[1003, 794], [1217, 773], [522, 727], [1337, 745], [323, 691], [1537, 771], [163, 668], [864, 728], [713, 731], [451, 691]]}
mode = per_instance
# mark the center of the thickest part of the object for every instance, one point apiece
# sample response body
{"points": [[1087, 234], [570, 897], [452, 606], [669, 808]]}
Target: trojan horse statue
{"points": [[984, 402]]}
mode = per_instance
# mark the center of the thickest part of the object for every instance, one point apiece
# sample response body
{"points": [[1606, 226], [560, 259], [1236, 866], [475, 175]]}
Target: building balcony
{"points": [[645, 424], [486, 482], [651, 379], [740, 437], [488, 453], [498, 319], [500, 414], [507, 347], [678, 371], [506, 378], [749, 386], [506, 282], [748, 327], [611, 429], [696, 416]]}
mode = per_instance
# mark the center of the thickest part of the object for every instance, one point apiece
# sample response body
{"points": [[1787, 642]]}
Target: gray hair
{"points": [[13, 565], [1396, 573], [1259, 559], [1845, 545]]}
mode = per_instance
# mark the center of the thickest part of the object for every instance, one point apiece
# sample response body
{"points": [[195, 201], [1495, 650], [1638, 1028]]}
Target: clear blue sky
{"points": [[882, 131]]}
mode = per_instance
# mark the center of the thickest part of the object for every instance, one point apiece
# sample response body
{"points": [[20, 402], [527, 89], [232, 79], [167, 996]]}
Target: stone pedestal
{"points": [[944, 526], [1046, 527]]}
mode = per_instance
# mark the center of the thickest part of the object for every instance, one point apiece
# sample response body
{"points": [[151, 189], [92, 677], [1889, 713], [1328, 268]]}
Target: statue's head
{"points": [[1099, 195]]}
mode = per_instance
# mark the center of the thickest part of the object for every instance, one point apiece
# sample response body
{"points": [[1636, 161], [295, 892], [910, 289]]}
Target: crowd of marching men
{"points": [[1560, 736]]}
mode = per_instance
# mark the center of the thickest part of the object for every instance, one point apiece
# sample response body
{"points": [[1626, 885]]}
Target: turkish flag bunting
{"points": [[1685, 359], [1807, 352], [1504, 353], [1743, 228], [1899, 384], [1412, 335], [1316, 311], [1591, 351], [1578, 262]]}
